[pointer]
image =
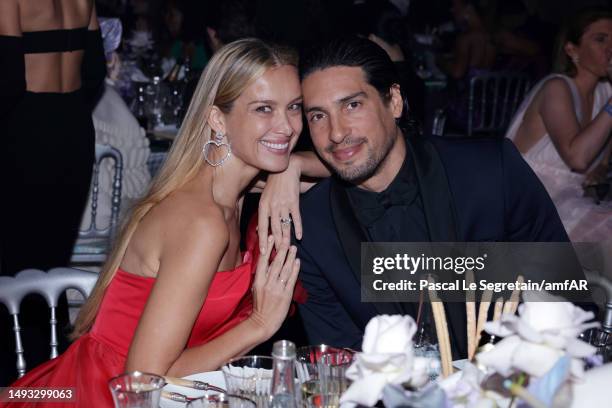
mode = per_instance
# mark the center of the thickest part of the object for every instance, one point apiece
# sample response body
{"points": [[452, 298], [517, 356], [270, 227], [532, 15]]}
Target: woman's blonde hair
{"points": [[230, 71]]}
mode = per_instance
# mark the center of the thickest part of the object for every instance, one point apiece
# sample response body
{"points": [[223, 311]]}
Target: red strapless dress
{"points": [[99, 355]]}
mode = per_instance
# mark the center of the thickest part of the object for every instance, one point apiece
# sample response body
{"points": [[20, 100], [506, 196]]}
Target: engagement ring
{"points": [[285, 221]]}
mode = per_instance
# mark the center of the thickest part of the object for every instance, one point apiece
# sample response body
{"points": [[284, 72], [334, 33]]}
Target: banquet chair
{"points": [[492, 101], [50, 285], [93, 243]]}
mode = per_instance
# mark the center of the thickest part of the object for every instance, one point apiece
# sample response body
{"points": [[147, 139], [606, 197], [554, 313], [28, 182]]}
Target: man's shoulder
{"points": [[449, 148], [317, 195], [474, 155]]}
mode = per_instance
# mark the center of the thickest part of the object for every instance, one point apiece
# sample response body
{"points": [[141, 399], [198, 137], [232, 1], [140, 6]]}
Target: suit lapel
{"points": [[351, 235], [438, 204]]}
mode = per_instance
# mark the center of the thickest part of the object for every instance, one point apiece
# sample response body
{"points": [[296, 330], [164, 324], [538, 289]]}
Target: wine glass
{"points": [[136, 389]]}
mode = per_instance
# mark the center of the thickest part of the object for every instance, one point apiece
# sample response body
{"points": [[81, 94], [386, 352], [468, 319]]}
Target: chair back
{"points": [[93, 231], [50, 285], [93, 242], [493, 99]]}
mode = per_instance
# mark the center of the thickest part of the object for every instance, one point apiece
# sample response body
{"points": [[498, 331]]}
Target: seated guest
{"points": [[390, 186], [474, 54], [176, 296], [383, 24], [563, 126]]}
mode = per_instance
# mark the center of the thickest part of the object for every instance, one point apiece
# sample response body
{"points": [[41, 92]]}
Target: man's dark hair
{"points": [[353, 52], [377, 67]]}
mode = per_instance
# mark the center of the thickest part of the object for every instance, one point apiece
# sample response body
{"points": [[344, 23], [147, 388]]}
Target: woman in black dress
{"points": [[51, 67]]}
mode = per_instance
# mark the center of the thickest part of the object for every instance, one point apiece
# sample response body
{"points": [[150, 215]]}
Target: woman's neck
{"points": [[230, 181], [586, 82]]}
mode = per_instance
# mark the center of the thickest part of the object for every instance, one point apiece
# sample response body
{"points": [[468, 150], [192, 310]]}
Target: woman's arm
{"points": [[272, 295], [281, 195], [191, 253], [93, 67], [600, 172], [577, 146]]}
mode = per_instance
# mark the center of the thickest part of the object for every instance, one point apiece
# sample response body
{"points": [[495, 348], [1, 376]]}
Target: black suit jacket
{"points": [[472, 190]]}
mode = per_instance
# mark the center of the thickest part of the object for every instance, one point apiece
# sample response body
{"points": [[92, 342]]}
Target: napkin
{"points": [[387, 358], [545, 330]]}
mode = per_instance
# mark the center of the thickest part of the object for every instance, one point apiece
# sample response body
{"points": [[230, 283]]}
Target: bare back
{"points": [[55, 71]]}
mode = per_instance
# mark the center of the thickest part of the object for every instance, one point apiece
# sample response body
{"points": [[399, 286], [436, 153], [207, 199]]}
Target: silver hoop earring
{"points": [[217, 142]]}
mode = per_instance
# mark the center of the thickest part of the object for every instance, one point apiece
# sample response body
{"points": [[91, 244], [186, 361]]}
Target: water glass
{"points": [[332, 371], [250, 377], [221, 401], [307, 359], [136, 390], [323, 401]]}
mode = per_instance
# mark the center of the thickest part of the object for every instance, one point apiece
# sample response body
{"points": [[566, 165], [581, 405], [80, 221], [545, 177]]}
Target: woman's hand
{"points": [[596, 176], [273, 286], [280, 200]]}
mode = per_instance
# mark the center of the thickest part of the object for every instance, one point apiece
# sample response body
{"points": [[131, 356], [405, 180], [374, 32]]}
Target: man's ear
{"points": [[216, 120], [397, 103]]}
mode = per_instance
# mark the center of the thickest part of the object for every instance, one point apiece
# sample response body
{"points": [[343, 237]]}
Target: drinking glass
{"points": [[426, 339], [250, 377], [332, 371], [602, 340], [220, 400], [307, 359], [136, 390], [323, 401]]}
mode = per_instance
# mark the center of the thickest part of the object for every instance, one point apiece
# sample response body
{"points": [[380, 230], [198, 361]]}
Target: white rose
{"points": [[545, 330], [387, 358], [389, 334]]}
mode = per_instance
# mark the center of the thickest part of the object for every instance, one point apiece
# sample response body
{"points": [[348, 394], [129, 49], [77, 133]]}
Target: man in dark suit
{"points": [[390, 185]]}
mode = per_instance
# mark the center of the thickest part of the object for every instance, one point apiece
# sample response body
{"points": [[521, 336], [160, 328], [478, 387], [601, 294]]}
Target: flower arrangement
{"points": [[539, 362]]}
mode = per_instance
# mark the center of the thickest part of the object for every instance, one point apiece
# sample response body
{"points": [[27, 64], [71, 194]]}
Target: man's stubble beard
{"points": [[359, 173]]}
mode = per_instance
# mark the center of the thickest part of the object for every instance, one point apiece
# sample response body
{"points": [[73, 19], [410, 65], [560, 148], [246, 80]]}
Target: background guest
{"points": [[474, 54], [383, 24], [50, 84], [564, 124]]}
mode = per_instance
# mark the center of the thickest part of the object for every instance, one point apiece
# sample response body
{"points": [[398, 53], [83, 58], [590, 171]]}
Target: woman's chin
{"points": [[275, 165]]}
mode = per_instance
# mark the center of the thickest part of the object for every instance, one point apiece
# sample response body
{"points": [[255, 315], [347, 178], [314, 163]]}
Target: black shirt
{"points": [[395, 214]]}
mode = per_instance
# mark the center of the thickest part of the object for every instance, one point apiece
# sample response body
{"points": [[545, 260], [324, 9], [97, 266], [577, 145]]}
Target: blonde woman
{"points": [[176, 295]]}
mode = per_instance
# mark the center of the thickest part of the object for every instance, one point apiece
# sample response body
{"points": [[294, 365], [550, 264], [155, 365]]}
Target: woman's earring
{"points": [[575, 59], [218, 143]]}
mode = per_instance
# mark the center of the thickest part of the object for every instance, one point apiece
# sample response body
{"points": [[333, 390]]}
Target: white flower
{"points": [[546, 329], [463, 389], [387, 358]]}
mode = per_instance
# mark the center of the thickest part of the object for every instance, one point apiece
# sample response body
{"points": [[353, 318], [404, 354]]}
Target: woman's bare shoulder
{"points": [[179, 224], [184, 213]]}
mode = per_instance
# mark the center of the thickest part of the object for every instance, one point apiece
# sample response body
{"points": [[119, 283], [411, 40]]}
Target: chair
{"points": [[93, 243], [48, 284], [492, 101]]}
